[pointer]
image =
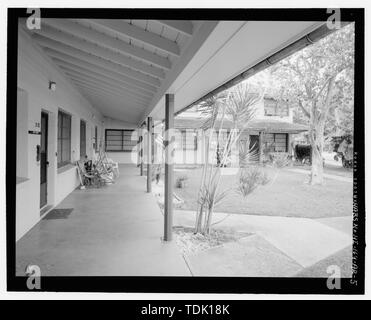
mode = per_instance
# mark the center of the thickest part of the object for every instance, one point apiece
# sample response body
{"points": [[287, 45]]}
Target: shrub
{"points": [[280, 159], [249, 179]]}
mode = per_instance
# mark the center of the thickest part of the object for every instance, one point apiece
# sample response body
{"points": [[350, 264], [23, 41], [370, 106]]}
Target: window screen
{"points": [[273, 108], [189, 140], [277, 141], [121, 140], [64, 139]]}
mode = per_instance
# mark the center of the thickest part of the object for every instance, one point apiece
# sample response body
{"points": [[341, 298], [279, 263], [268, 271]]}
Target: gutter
{"points": [[298, 45]]}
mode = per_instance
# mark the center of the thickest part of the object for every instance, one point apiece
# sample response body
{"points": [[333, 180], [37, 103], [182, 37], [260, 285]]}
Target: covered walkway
{"points": [[112, 231], [83, 78]]}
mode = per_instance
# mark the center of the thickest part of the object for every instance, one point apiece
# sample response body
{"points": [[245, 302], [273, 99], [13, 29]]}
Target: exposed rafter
{"points": [[124, 63], [108, 88], [183, 26], [45, 42], [100, 76], [102, 95], [139, 34], [77, 64], [107, 54], [88, 34], [97, 90], [113, 83]]}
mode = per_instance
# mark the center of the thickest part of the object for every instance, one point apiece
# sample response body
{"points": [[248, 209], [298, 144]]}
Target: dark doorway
{"points": [[44, 159], [248, 149], [254, 147], [82, 139]]}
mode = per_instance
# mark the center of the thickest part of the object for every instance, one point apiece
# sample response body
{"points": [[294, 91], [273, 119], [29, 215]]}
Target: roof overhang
{"points": [[231, 48]]}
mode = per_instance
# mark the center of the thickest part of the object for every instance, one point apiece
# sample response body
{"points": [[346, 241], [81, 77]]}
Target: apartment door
{"points": [[82, 139], [44, 159]]}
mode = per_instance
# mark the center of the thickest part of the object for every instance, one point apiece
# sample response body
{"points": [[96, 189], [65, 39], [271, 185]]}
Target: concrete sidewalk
{"points": [[304, 241], [252, 256], [112, 231]]}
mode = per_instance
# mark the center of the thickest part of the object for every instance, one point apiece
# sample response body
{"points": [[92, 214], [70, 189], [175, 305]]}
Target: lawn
{"points": [[285, 195], [332, 169]]}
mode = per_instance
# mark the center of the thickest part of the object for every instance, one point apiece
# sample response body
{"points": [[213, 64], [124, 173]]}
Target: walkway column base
{"points": [[149, 154], [141, 151]]}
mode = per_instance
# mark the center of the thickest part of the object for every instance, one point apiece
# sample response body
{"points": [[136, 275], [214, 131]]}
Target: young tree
{"points": [[319, 81], [211, 108], [237, 106]]}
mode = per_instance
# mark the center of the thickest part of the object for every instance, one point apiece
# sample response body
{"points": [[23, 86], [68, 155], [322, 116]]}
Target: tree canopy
{"points": [[304, 77]]}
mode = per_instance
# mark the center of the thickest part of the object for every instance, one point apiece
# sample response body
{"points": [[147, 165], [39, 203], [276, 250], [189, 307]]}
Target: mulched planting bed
{"points": [[191, 243]]}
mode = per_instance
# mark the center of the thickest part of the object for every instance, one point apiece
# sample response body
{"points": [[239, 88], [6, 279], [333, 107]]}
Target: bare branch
{"points": [[305, 111], [323, 87], [332, 77]]}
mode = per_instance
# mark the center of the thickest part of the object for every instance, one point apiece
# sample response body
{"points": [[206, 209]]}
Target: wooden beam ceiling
{"points": [[113, 59], [134, 32], [57, 46], [183, 26], [63, 59], [99, 90], [96, 77], [91, 35], [107, 87], [95, 50]]}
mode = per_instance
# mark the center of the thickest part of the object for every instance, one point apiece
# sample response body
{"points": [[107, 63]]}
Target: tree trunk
{"points": [[200, 206], [318, 118], [316, 139], [207, 227], [316, 176], [199, 218]]}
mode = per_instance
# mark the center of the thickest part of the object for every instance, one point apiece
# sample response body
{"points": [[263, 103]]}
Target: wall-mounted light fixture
{"points": [[52, 86]]}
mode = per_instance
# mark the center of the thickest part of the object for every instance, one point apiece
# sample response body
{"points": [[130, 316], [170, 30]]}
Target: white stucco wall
{"points": [[35, 71]]}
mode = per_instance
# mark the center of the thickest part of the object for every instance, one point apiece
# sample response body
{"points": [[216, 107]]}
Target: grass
{"points": [[286, 195], [334, 170]]}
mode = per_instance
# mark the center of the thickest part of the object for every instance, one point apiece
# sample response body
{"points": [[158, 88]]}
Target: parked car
{"points": [[303, 153]]}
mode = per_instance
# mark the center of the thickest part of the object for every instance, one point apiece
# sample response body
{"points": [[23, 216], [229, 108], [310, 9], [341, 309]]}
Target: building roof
{"points": [[266, 125]]}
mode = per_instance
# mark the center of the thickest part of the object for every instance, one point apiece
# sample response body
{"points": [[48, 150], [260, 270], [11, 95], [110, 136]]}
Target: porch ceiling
{"points": [[118, 65], [124, 67]]}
